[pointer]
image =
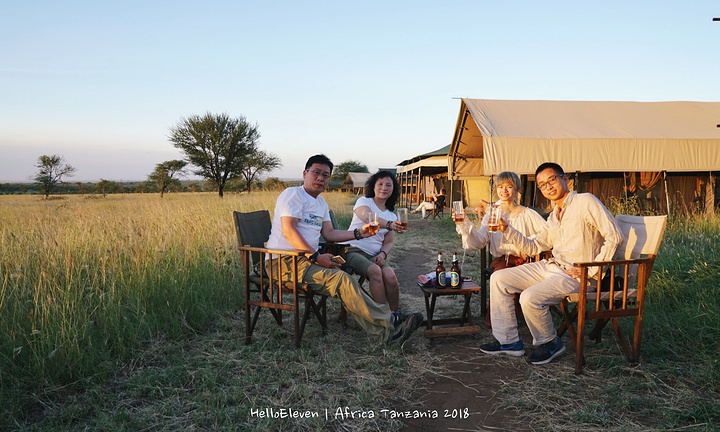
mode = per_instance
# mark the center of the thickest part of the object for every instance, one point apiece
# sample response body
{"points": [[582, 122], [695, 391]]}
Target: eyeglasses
{"points": [[317, 173], [550, 181]]}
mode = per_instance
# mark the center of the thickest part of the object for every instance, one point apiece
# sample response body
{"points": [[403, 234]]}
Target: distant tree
{"points": [[217, 144], [52, 170], [274, 183], [341, 170], [258, 163], [81, 188], [106, 186], [195, 187], [165, 172]]}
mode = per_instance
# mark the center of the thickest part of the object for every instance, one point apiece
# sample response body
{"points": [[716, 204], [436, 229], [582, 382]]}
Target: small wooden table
{"points": [[458, 324]]}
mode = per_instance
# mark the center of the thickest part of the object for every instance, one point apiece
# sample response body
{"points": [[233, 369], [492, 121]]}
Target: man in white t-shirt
{"points": [[301, 217]]}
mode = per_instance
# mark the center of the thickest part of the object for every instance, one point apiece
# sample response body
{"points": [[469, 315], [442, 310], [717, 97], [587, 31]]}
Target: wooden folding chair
{"points": [[439, 209], [264, 286], [633, 262]]}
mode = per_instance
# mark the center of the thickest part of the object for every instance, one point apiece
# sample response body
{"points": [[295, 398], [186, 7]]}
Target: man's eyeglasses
{"points": [[319, 173], [552, 180]]}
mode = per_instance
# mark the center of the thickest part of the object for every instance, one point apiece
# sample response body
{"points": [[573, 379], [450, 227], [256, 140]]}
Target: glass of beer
{"points": [[458, 211], [494, 218], [402, 214], [374, 223]]}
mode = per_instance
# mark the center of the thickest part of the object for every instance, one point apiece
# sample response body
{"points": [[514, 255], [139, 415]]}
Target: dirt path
{"points": [[465, 395]]}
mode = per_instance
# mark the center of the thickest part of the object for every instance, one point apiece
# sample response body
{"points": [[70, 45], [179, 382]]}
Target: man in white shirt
{"points": [[579, 229], [301, 217]]}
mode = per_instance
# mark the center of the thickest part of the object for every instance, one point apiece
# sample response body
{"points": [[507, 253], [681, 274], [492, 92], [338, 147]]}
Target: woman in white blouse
{"points": [[369, 256], [524, 219]]}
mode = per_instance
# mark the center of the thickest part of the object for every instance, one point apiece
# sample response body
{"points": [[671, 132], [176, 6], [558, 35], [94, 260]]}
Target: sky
{"points": [[101, 83]]}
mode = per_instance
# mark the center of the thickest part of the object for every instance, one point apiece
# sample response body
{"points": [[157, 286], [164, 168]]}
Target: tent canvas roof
{"points": [[357, 179], [436, 158], [586, 136]]}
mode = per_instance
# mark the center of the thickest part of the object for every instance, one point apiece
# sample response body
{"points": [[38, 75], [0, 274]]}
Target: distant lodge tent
{"points": [[667, 154], [421, 175], [355, 182]]}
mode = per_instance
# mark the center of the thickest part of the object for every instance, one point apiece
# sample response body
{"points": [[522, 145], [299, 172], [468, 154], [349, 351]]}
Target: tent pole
{"points": [[667, 194], [491, 187], [625, 186], [710, 195], [420, 183]]}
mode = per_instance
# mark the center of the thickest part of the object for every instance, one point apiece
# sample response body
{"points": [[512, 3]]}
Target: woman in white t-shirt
{"points": [[368, 257]]}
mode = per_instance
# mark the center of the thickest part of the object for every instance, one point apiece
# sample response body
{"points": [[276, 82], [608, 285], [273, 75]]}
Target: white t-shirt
{"points": [[370, 245], [311, 212]]}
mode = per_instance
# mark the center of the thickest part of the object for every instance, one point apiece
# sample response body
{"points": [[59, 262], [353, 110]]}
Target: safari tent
{"points": [[355, 182], [665, 154], [421, 175]]}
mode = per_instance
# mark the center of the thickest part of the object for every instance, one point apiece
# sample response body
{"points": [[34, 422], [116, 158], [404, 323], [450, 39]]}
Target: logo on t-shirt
{"points": [[313, 219]]}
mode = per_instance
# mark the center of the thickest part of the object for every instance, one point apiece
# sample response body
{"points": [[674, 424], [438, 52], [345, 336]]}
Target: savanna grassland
{"points": [[88, 282], [125, 313]]}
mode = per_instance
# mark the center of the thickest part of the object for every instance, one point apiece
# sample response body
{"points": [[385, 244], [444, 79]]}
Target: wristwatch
{"points": [[313, 257]]}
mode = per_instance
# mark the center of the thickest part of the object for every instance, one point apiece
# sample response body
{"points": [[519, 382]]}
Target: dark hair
{"points": [[319, 159], [370, 187], [551, 165]]}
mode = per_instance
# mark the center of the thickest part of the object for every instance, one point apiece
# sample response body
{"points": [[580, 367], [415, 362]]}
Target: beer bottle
{"points": [[455, 274], [440, 272]]}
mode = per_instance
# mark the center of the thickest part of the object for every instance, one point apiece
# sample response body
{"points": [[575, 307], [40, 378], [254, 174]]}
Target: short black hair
{"points": [[370, 187], [319, 159], [551, 165]]}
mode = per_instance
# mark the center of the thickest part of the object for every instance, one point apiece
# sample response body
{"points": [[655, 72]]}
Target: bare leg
{"points": [[377, 287], [392, 288]]}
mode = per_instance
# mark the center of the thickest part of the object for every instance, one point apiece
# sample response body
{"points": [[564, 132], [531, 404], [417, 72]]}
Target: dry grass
{"points": [[195, 373]]}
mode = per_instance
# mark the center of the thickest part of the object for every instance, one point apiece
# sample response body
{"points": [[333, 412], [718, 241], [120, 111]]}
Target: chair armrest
{"points": [[334, 248], [273, 251], [614, 262]]}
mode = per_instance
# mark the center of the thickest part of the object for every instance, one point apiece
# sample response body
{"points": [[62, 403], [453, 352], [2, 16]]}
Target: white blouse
{"points": [[528, 222]]}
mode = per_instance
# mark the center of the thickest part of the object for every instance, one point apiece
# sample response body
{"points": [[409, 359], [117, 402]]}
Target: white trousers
{"points": [[540, 285], [424, 206]]}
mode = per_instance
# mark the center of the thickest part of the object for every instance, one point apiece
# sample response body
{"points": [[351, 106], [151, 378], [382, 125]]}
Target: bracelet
{"points": [[357, 234], [313, 257], [383, 253], [387, 226]]}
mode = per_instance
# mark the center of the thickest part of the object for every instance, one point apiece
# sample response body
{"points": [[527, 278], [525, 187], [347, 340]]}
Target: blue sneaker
{"points": [[513, 349], [546, 352]]}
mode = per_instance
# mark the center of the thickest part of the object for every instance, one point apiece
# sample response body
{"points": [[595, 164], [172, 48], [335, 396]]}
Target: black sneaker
{"points": [[513, 349], [546, 352], [398, 318], [408, 326]]}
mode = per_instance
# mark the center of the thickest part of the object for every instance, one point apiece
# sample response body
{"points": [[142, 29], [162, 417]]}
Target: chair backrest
{"points": [[253, 229], [643, 235], [440, 203]]}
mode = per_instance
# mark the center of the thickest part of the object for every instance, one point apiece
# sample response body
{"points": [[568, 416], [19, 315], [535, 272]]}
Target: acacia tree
{"points": [[52, 170], [341, 170], [258, 163], [107, 187], [217, 144], [164, 174]]}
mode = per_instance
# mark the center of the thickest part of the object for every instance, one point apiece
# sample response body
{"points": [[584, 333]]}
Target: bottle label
{"points": [[441, 279], [455, 279]]}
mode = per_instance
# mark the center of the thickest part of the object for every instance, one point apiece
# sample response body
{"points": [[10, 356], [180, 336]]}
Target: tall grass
{"points": [[87, 282], [682, 320]]}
